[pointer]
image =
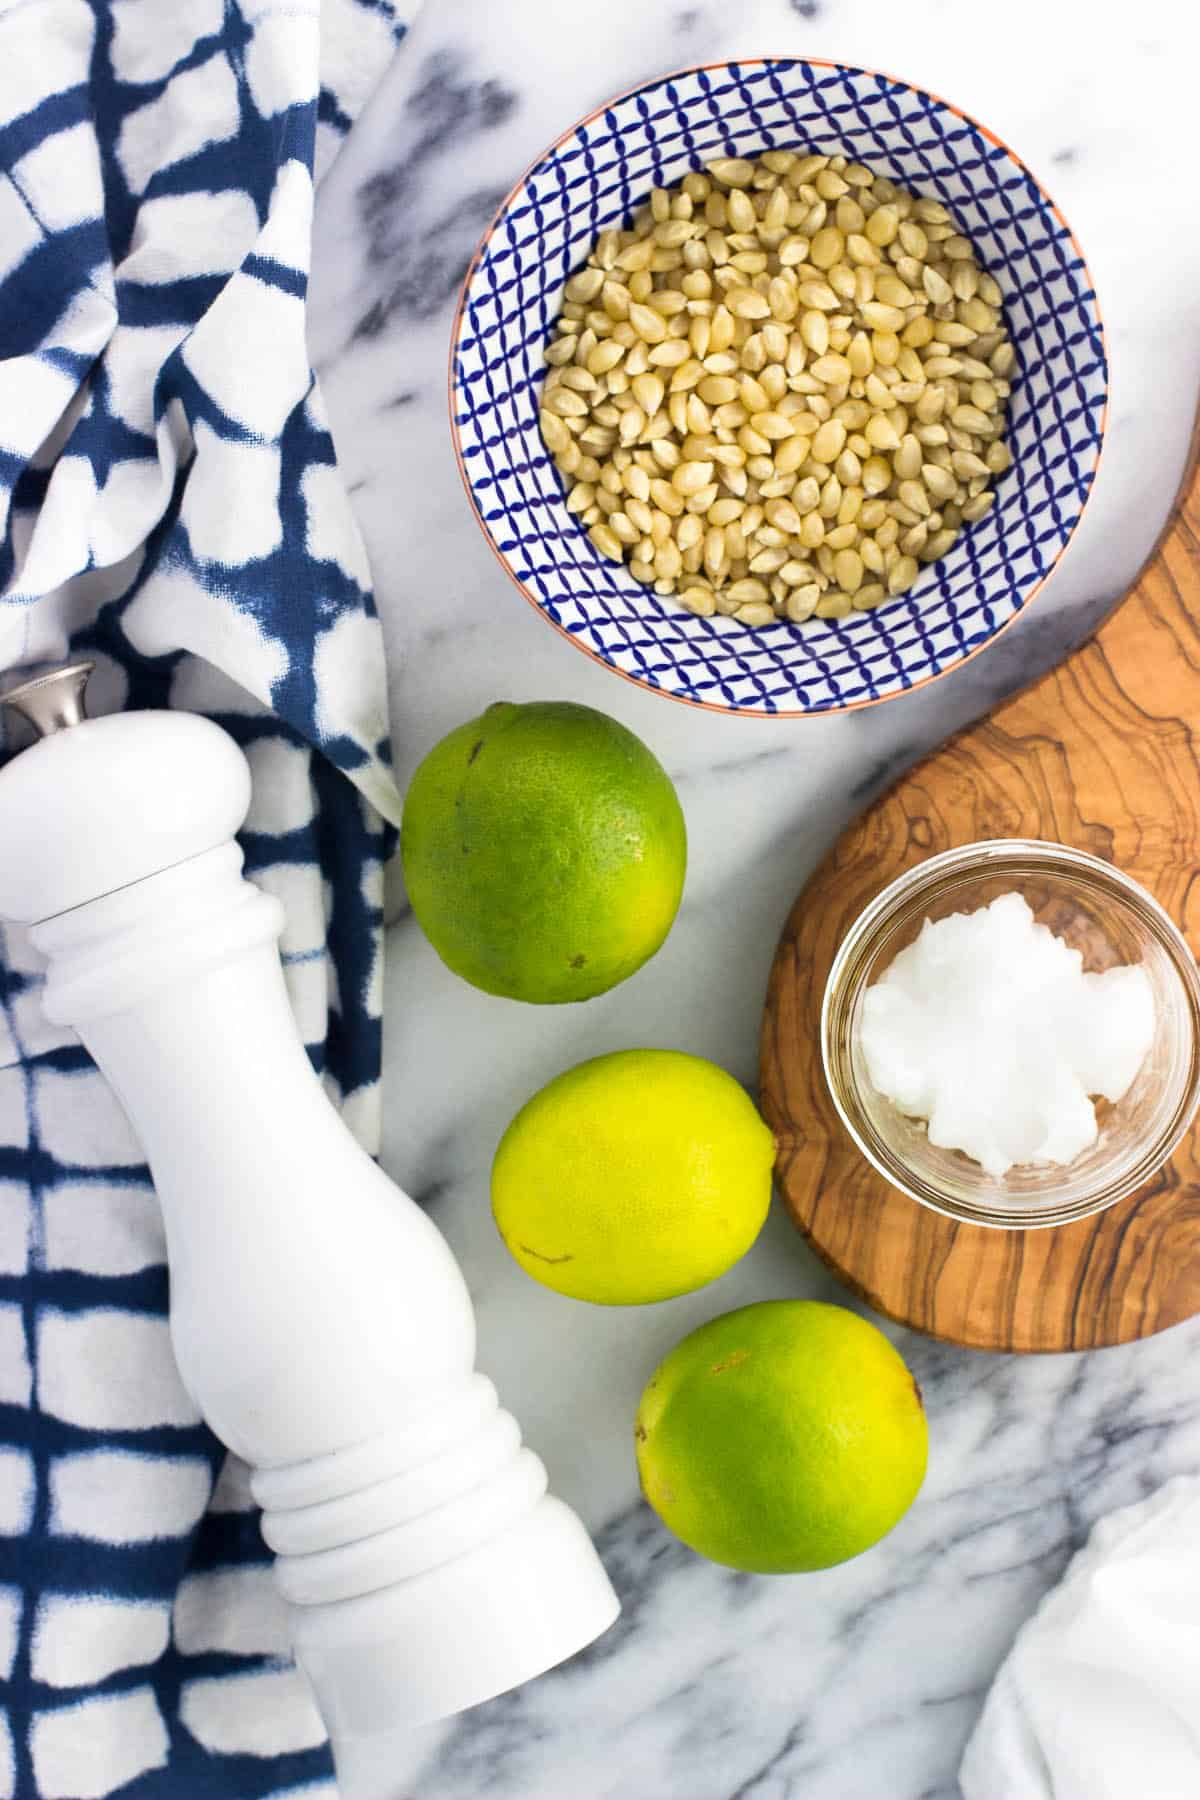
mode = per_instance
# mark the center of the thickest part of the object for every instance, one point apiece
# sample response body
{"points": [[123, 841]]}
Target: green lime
{"points": [[544, 851], [633, 1177], [784, 1436]]}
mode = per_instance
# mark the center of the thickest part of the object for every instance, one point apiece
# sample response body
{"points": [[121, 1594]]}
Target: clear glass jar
{"points": [[1111, 920]]}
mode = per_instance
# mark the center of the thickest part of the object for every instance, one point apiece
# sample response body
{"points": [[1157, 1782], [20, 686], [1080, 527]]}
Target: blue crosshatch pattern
{"points": [[595, 177], [169, 507]]}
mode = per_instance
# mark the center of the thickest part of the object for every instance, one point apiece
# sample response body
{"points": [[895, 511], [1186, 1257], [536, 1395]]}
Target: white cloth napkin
{"points": [[1100, 1696]]}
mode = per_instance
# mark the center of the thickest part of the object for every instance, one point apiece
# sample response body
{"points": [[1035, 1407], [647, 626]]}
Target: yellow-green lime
{"points": [[544, 851], [633, 1177], [784, 1436]]}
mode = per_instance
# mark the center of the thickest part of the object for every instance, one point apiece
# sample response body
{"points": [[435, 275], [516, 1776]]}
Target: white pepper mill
{"points": [[318, 1318]]}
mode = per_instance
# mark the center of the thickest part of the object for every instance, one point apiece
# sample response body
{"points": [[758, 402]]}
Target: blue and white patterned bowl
{"points": [[594, 176]]}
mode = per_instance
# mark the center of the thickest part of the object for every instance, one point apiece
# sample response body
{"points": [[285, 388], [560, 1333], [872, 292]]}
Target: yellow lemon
{"points": [[544, 851], [784, 1436], [633, 1177]]}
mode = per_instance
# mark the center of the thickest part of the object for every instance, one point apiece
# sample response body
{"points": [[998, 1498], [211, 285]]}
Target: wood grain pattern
{"points": [[1104, 754]]}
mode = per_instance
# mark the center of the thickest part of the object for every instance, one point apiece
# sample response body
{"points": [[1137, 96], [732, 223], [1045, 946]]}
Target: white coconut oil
{"points": [[988, 1028]]}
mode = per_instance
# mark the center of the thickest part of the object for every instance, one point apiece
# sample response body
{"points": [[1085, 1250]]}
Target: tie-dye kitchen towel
{"points": [[170, 506]]}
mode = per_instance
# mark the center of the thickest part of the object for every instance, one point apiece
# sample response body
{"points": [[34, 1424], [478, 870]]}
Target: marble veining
{"points": [[420, 263], [861, 1683]]}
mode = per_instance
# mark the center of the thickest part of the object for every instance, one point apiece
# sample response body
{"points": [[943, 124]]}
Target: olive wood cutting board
{"points": [[1103, 753]]}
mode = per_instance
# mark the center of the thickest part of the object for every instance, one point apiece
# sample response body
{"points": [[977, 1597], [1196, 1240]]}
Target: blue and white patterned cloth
{"points": [[170, 506]]}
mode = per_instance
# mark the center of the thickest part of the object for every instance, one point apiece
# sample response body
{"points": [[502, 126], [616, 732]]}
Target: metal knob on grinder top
{"points": [[52, 701]]}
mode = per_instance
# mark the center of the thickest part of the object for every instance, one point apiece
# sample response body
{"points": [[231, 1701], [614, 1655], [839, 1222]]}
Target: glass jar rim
{"points": [[940, 874]]}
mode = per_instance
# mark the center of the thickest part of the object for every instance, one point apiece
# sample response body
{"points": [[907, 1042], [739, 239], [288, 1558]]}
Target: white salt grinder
{"points": [[318, 1317]]}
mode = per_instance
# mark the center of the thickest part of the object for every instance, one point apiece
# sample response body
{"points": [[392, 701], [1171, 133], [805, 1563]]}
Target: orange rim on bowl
{"points": [[664, 82]]}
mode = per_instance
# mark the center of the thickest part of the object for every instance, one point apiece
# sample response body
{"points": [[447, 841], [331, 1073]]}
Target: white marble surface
{"points": [[864, 1681]]}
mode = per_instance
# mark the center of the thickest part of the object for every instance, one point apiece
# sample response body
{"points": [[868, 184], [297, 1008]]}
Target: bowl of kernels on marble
{"points": [[778, 387]]}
